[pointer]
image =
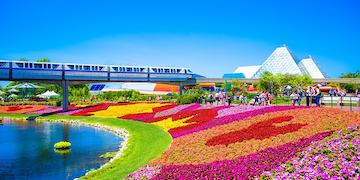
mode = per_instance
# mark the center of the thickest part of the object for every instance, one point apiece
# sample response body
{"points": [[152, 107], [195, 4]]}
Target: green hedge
{"points": [[188, 99]]}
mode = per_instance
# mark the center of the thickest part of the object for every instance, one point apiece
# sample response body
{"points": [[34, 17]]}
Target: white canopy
{"points": [[13, 95], [13, 90], [48, 94], [26, 86]]}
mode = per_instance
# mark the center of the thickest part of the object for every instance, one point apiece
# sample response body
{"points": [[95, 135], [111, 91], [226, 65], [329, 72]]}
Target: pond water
{"points": [[27, 149]]}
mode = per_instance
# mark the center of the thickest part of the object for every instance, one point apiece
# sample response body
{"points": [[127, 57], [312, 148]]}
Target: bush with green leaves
{"points": [[62, 145], [188, 99]]}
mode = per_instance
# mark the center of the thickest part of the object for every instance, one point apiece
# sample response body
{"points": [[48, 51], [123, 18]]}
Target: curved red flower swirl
{"points": [[261, 130]]}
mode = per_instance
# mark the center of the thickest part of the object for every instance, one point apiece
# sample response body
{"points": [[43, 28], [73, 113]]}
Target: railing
{"points": [[351, 103]]}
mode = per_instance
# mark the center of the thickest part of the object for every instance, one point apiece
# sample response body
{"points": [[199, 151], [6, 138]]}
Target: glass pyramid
{"points": [[309, 67], [280, 61]]}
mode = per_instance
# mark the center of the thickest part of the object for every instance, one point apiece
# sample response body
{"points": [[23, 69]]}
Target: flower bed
{"points": [[236, 142], [336, 157], [21, 109]]}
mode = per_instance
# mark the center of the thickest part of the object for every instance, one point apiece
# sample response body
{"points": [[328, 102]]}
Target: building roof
{"points": [[248, 71]]}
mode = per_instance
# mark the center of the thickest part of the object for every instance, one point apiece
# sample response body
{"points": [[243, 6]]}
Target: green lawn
{"points": [[146, 142]]}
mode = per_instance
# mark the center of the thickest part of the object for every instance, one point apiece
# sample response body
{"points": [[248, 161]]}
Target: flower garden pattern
{"points": [[226, 142]]}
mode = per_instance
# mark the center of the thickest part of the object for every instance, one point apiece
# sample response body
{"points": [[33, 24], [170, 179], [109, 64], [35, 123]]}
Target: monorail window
{"points": [[115, 69], [2, 64], [101, 68], [30, 65], [20, 65], [154, 69], [142, 69], [128, 69], [71, 67], [26, 65], [178, 70], [167, 70], [87, 68], [55, 66], [37, 66], [49, 66]]}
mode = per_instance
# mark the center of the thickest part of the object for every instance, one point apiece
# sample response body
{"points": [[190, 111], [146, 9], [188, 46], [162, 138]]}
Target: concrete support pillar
{"points": [[181, 89], [65, 95]]}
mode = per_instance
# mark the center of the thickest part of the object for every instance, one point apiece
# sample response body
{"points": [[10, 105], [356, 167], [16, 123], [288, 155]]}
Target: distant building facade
{"points": [[282, 61]]}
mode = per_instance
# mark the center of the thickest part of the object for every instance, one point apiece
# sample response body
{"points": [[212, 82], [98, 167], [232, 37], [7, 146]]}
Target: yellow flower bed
{"points": [[168, 123], [118, 111]]}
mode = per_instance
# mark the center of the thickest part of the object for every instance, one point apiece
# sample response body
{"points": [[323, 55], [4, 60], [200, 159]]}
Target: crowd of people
{"points": [[262, 99], [312, 95], [222, 98]]}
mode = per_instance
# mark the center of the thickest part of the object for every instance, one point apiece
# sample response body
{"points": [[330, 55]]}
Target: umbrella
{"points": [[26, 86], [48, 94], [288, 87], [13, 95], [13, 90]]}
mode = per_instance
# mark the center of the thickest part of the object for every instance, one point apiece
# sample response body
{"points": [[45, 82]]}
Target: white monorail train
{"points": [[67, 71]]}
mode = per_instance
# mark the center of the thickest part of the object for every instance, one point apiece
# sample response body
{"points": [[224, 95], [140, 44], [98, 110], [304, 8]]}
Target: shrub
{"points": [[62, 145], [62, 151], [108, 155], [188, 99]]}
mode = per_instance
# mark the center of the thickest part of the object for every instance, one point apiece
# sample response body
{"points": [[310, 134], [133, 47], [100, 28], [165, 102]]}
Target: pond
{"points": [[27, 149]]}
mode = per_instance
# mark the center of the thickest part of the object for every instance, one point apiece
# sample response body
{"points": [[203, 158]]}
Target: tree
{"points": [[23, 59], [237, 85], [43, 60], [350, 87], [351, 75], [275, 83], [270, 82]]}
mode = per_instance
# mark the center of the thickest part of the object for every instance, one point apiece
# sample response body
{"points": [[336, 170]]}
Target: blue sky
{"points": [[210, 37]]}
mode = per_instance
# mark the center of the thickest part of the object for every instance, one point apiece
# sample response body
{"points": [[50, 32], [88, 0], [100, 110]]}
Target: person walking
{"points": [[270, 98], [203, 99], [211, 99], [217, 98], [229, 100], [317, 96], [294, 98], [300, 96], [256, 99], [308, 95]]}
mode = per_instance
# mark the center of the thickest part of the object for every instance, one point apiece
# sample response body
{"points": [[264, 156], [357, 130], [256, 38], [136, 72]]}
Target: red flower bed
{"points": [[200, 117], [259, 131], [17, 108], [146, 116]]}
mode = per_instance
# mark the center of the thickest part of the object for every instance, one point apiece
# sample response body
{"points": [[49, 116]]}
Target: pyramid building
{"points": [[308, 66], [282, 61]]}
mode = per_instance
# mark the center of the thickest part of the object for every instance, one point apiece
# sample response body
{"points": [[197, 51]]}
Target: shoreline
{"points": [[120, 132]]}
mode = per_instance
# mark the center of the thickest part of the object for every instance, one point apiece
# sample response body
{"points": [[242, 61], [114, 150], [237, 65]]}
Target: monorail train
{"points": [[23, 70]]}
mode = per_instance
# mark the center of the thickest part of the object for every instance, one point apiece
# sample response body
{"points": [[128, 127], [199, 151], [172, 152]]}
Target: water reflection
{"points": [[27, 150]]}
